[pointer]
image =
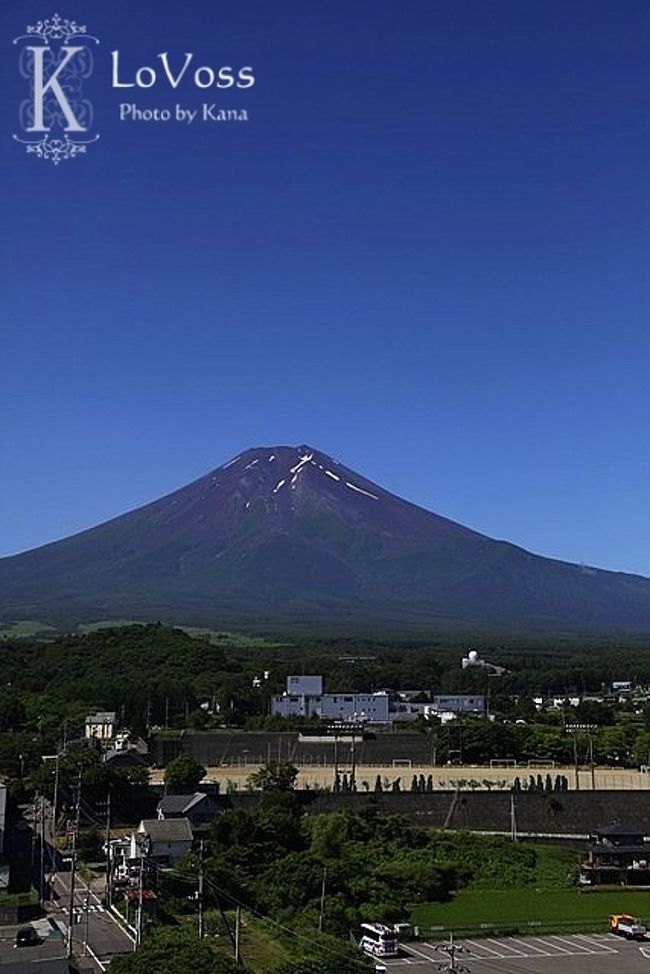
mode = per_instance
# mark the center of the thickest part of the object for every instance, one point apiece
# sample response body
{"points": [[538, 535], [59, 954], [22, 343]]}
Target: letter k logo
{"points": [[52, 86]]}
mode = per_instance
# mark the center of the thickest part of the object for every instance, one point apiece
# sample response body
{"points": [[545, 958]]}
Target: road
{"points": [[95, 927], [95, 932]]}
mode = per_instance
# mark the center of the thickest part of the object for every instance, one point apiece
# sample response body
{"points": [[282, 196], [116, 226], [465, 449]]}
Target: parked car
{"points": [[627, 926], [27, 937]]}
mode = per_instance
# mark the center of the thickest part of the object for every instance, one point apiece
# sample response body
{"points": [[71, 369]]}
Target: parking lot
{"points": [[565, 953]]}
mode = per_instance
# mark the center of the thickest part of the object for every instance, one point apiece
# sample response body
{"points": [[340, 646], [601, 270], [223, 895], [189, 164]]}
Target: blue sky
{"points": [[426, 253]]}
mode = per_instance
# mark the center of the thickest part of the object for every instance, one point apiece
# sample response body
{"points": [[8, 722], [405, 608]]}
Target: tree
{"points": [[333, 958], [174, 952], [183, 774], [275, 776], [12, 712]]}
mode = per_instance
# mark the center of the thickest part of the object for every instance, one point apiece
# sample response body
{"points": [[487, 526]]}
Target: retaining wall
{"points": [[556, 813]]}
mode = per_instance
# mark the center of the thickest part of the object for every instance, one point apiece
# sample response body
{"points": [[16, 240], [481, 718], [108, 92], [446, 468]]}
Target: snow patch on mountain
{"points": [[361, 491]]}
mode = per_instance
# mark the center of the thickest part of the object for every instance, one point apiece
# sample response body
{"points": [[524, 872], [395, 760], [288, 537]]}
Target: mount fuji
{"points": [[287, 536]]}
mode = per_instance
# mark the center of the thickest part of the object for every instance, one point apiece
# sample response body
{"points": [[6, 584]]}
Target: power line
{"points": [[325, 948]]}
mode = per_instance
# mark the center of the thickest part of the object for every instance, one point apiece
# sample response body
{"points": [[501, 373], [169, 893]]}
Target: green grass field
{"points": [[561, 908], [26, 629]]}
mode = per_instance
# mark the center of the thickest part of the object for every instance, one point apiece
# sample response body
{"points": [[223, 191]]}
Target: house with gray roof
{"points": [[166, 840], [199, 808]]}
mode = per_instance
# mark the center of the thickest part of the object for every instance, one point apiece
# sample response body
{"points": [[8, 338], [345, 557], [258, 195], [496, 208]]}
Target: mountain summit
{"points": [[288, 535]]}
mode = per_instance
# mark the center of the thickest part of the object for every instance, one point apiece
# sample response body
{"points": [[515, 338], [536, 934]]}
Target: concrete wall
{"points": [[558, 813]]}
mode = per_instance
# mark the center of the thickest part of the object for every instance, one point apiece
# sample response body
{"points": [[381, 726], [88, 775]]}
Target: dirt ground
{"points": [[444, 778]]}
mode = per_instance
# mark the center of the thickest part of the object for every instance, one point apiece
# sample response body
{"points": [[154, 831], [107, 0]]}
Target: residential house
{"points": [[199, 809], [167, 840], [101, 726], [617, 854]]}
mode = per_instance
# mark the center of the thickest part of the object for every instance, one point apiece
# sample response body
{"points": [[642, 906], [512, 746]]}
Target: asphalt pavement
{"points": [[95, 931], [546, 954]]}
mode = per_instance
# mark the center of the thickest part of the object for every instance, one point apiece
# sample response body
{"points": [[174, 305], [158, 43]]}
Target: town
{"points": [[118, 822]]}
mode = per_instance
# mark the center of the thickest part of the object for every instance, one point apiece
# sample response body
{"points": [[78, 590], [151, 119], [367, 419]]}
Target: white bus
{"points": [[379, 940]]}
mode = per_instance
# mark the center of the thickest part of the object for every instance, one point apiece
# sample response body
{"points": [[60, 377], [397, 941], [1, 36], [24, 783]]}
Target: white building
{"points": [[403, 711], [101, 726], [458, 703], [305, 685], [473, 660], [304, 697]]}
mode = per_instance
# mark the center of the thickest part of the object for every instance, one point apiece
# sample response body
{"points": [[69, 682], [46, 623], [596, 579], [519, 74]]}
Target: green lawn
{"points": [[525, 908]]}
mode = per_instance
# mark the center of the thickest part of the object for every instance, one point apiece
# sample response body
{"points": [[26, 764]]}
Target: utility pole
{"points": [[73, 873], [140, 919], [42, 873], [575, 761], [237, 934], [86, 922], [322, 900], [109, 877], [55, 800], [513, 819], [200, 891], [33, 834]]}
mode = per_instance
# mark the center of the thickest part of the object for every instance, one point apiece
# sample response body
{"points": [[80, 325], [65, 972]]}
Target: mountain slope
{"points": [[287, 534]]}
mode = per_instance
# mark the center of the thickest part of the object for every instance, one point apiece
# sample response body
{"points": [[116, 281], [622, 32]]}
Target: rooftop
{"points": [[177, 804], [102, 717], [166, 830], [618, 829]]}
